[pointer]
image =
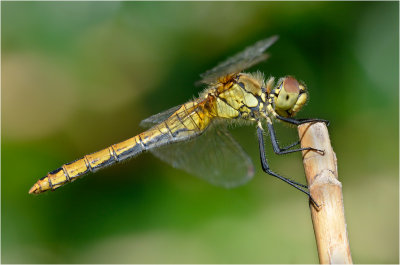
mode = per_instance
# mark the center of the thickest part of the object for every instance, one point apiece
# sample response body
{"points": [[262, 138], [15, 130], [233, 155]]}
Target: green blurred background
{"points": [[79, 76]]}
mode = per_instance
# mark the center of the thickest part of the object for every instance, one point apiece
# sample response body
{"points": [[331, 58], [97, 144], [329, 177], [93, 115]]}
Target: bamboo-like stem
{"points": [[322, 178]]}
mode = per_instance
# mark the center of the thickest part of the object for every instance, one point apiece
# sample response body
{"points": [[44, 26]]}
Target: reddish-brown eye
{"points": [[291, 85]]}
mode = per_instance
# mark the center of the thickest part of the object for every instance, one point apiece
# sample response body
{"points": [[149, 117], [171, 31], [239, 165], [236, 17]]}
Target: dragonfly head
{"points": [[288, 97]]}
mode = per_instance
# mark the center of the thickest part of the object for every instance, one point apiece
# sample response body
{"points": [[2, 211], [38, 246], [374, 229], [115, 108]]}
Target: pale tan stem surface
{"points": [[322, 178]]}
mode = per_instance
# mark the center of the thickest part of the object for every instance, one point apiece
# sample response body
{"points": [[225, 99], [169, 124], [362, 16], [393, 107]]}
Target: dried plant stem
{"points": [[322, 178]]}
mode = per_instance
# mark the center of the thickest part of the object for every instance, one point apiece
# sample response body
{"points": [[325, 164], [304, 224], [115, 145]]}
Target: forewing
{"points": [[241, 61], [157, 118], [214, 156]]}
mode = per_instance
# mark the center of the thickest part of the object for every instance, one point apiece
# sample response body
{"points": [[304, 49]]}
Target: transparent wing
{"points": [[157, 118], [241, 61], [214, 156]]}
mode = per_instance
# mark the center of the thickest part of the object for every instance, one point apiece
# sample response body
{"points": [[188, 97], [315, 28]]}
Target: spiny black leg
{"points": [[290, 146], [301, 121], [264, 159], [281, 151], [266, 169]]}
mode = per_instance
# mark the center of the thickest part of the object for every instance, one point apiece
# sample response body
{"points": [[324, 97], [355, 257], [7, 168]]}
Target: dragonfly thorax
{"points": [[238, 96], [287, 98]]}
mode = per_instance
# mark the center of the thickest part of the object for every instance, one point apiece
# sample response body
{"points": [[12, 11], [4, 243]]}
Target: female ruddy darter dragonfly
{"points": [[193, 137]]}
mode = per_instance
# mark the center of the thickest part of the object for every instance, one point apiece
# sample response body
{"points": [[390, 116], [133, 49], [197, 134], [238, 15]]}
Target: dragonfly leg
{"points": [[301, 121], [266, 169], [290, 146], [280, 151]]}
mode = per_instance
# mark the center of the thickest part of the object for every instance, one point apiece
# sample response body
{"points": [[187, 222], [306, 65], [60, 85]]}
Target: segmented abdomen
{"points": [[191, 119]]}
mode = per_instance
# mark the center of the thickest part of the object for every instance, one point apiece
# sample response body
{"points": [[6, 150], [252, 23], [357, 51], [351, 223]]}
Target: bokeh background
{"points": [[79, 76]]}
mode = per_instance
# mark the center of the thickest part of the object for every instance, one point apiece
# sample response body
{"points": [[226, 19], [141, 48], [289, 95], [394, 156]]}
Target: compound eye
{"points": [[291, 85], [288, 94]]}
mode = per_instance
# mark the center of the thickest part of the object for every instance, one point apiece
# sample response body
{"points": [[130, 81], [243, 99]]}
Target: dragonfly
{"points": [[194, 136]]}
